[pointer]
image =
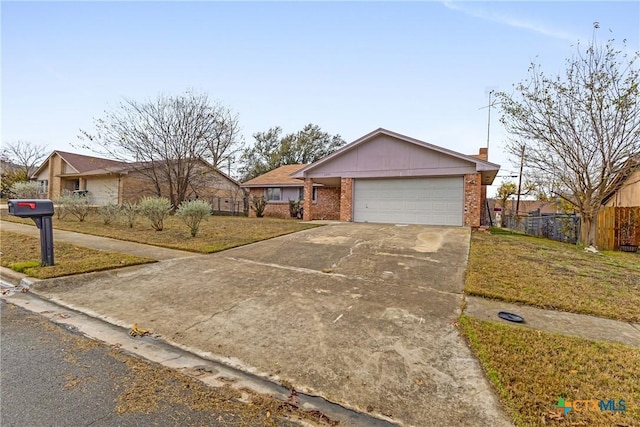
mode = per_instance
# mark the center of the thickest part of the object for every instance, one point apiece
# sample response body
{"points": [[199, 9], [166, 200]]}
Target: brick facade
{"points": [[326, 206], [346, 199], [272, 210], [472, 200]]}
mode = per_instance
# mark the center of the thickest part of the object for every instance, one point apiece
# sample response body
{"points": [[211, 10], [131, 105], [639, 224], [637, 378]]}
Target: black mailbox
{"points": [[41, 212], [28, 208]]}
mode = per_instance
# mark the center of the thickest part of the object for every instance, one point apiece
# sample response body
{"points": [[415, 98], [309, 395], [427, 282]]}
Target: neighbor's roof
{"points": [[84, 164], [280, 177]]}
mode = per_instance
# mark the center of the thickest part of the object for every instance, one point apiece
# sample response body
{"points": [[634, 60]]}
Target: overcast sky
{"points": [[423, 69]]}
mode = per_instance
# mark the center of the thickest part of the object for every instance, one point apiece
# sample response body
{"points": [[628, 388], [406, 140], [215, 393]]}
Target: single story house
{"points": [[385, 177], [111, 181]]}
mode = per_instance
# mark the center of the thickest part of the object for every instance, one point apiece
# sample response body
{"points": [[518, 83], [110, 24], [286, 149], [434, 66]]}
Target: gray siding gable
{"points": [[388, 156]]}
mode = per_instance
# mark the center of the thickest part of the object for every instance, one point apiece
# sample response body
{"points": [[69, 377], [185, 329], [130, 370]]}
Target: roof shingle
{"points": [[280, 176]]}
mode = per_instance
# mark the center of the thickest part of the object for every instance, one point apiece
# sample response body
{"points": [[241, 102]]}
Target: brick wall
{"points": [[326, 206], [346, 199], [472, 200], [211, 187]]}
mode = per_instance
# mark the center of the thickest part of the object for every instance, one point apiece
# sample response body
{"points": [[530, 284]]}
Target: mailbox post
{"points": [[41, 212]]}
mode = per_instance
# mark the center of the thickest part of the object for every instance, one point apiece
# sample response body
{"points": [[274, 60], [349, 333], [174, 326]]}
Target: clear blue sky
{"points": [[422, 69]]}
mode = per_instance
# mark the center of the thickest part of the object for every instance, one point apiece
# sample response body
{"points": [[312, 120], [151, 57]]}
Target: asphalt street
{"points": [[54, 376]]}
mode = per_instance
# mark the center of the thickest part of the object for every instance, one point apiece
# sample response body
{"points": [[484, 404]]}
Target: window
{"points": [[273, 194], [314, 197], [44, 186]]}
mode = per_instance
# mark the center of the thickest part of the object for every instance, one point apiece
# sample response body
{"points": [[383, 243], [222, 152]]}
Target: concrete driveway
{"points": [[361, 314]]}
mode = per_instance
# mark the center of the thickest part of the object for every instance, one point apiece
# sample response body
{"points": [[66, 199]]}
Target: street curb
{"points": [[10, 278], [189, 361]]}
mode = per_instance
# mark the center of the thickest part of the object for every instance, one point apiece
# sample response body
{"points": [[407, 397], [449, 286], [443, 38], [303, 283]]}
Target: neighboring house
{"points": [[278, 188], [390, 178], [624, 191], [111, 181]]}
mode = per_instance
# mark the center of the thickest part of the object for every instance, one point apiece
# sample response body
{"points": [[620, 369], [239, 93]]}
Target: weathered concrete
{"points": [[560, 322], [100, 243], [361, 314]]}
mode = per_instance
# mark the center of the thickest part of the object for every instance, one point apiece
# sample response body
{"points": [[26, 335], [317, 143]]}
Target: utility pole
{"points": [[520, 180]]}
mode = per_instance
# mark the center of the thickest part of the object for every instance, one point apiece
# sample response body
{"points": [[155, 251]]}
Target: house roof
{"points": [[8, 167], [89, 165], [630, 166], [280, 177], [488, 169], [84, 165]]}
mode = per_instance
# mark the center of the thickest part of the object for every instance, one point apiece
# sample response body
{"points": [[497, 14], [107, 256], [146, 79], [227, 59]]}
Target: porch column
{"points": [[472, 200], [346, 199], [308, 199]]}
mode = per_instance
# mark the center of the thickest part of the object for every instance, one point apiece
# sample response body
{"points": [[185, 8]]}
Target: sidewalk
{"points": [[100, 243], [559, 322]]}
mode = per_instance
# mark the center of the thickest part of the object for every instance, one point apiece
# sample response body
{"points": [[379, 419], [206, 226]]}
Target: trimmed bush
{"points": [[129, 212], [26, 190], [76, 205], [192, 213], [155, 209], [109, 213]]}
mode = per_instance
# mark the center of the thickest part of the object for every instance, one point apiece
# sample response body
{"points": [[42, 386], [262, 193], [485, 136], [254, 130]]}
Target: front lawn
{"points": [[532, 369], [554, 275], [22, 253], [216, 232]]}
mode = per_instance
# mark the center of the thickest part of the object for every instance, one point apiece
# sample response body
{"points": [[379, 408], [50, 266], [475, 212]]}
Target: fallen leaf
{"points": [[137, 331], [293, 399]]}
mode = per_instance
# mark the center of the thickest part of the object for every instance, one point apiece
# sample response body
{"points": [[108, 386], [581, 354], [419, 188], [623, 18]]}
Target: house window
{"points": [[314, 197], [273, 194], [44, 186]]}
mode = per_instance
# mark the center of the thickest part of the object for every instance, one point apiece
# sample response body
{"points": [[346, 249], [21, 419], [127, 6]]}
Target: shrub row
{"points": [[154, 209]]}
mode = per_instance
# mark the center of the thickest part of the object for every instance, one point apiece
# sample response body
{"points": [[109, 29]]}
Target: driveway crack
{"points": [[218, 312]]}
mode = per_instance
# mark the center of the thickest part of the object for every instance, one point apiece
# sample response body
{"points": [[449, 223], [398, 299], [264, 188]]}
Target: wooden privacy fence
{"points": [[612, 224]]}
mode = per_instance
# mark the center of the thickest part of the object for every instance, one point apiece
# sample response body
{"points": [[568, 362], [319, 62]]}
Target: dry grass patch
{"points": [[216, 233], [554, 275], [22, 253], [531, 369]]}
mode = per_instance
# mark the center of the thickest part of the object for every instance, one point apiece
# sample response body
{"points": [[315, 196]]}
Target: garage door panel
{"points": [[437, 201]]}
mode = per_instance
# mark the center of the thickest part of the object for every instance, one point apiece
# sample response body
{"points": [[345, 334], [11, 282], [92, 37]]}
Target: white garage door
{"points": [[435, 201], [102, 190]]}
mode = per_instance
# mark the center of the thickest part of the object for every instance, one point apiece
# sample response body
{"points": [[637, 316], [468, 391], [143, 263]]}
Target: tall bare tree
{"points": [[578, 128], [26, 155], [166, 139]]}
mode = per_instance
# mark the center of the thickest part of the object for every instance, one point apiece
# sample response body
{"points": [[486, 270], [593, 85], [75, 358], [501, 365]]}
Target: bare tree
{"points": [[24, 154], [225, 143], [166, 139], [579, 129]]}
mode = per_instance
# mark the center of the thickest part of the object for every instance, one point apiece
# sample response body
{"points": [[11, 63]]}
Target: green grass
{"points": [[22, 253], [531, 369], [216, 233], [554, 275]]}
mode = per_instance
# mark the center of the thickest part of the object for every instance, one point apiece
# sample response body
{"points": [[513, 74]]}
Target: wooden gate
{"points": [[612, 224]]}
